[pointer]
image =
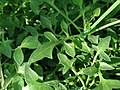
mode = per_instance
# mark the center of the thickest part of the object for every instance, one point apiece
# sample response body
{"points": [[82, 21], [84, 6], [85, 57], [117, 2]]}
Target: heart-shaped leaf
{"points": [[44, 50]]}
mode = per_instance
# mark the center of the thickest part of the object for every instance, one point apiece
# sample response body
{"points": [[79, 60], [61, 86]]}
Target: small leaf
{"points": [[90, 71], [65, 62], [44, 50], [46, 23], [77, 42], [78, 2], [104, 56], [6, 48], [18, 56], [93, 39], [64, 27], [96, 12], [50, 36], [32, 30], [104, 44], [30, 75], [34, 5], [30, 42], [86, 48], [105, 66], [69, 48]]}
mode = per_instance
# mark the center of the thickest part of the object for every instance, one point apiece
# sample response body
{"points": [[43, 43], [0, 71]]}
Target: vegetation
{"points": [[59, 44]]}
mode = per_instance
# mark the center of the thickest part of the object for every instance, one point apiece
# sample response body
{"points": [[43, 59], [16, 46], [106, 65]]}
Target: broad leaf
{"points": [[30, 75], [50, 36], [18, 56], [44, 50], [70, 49], [104, 44], [65, 62], [105, 66], [6, 48], [30, 42]]}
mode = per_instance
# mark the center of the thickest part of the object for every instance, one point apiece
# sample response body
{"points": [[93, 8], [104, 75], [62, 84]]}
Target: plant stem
{"points": [[1, 75], [105, 26], [78, 29], [106, 13], [76, 74], [95, 59]]}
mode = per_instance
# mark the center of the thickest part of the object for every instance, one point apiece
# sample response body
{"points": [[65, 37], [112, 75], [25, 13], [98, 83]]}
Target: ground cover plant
{"points": [[59, 45]]}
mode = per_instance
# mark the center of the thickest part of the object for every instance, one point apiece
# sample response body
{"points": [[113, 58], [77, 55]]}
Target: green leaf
{"points": [[69, 48], [50, 36], [104, 56], [64, 27], [44, 50], [34, 5], [17, 83], [96, 12], [108, 84], [30, 42], [37, 86], [114, 60], [32, 30], [78, 2], [86, 48], [18, 56], [77, 42], [6, 48], [105, 66], [104, 44], [39, 70], [46, 23], [30, 75], [65, 62], [90, 70], [93, 39]]}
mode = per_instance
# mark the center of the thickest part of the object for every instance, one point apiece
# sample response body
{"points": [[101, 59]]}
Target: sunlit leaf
{"points": [[64, 27], [50, 36], [104, 56], [104, 44], [18, 56], [105, 66], [93, 39], [90, 71], [70, 49], [44, 50], [30, 42], [65, 62], [38, 86], [30, 75], [97, 11]]}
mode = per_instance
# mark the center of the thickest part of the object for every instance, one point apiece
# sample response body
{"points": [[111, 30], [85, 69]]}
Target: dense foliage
{"points": [[59, 44]]}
